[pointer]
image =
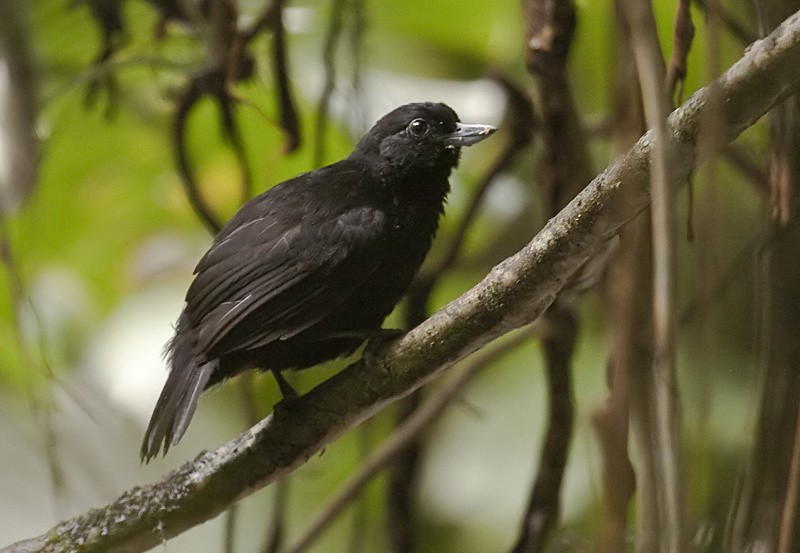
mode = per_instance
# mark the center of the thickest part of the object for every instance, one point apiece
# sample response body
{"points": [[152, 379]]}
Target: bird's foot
{"points": [[287, 391], [377, 341]]}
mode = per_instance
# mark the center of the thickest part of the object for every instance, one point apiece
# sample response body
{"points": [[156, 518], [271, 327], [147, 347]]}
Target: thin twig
{"points": [[227, 54], [269, 18], [740, 265], [735, 28], [329, 61], [189, 98], [544, 503], [40, 371], [401, 488], [229, 531], [277, 527], [226, 102], [111, 65], [108, 16], [227, 62], [286, 104], [361, 511], [565, 170], [789, 515], [273, 539], [765, 491], [627, 291], [664, 416], [682, 36], [358, 29], [748, 165]]}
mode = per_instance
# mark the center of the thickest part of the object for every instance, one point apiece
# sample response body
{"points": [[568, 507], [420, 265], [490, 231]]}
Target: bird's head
{"points": [[421, 137]]}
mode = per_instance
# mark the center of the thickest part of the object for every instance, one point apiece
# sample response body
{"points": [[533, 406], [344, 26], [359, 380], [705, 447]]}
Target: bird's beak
{"points": [[467, 135]]}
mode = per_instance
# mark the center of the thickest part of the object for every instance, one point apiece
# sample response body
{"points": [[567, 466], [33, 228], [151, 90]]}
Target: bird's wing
{"points": [[258, 285]]}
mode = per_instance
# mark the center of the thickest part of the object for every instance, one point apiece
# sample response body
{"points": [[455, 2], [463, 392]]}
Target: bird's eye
{"points": [[418, 127]]}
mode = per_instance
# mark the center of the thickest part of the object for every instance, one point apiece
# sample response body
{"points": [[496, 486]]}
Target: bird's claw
{"points": [[378, 341]]}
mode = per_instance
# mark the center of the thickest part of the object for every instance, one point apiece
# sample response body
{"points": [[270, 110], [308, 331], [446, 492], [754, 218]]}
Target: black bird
{"points": [[308, 270]]}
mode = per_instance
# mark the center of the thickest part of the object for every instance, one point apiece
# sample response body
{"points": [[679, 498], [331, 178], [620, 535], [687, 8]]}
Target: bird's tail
{"points": [[178, 400]]}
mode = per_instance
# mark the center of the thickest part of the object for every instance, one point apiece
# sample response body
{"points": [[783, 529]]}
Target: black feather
{"points": [[306, 271]]}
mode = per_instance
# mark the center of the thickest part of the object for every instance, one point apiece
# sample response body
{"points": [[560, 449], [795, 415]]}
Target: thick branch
{"points": [[516, 291]]}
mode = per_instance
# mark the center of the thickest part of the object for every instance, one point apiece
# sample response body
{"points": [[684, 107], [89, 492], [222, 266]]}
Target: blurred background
{"points": [[105, 99]]}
